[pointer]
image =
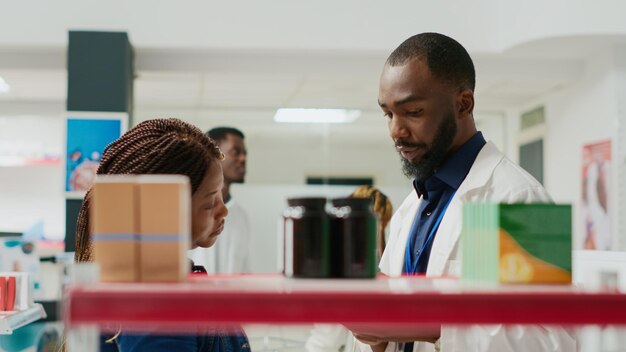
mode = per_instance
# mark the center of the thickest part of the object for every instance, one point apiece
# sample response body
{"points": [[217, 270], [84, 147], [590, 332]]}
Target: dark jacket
{"points": [[210, 341], [217, 342]]}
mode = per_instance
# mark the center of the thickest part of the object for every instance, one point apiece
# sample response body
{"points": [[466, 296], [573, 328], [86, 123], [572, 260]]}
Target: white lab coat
{"points": [[495, 178], [329, 338]]}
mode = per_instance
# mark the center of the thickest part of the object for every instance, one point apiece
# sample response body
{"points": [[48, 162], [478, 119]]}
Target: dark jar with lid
{"points": [[306, 238], [352, 238]]}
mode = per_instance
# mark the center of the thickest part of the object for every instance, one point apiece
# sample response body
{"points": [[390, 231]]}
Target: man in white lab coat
{"points": [[231, 252], [427, 94]]}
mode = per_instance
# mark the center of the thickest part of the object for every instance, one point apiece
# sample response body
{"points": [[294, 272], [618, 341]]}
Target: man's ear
{"points": [[465, 103]]}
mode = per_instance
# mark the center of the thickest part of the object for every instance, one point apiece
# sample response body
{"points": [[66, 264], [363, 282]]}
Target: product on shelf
{"points": [[15, 291], [307, 252], [18, 254], [10, 290], [164, 228], [352, 238], [337, 244], [114, 228], [3, 293], [141, 226], [517, 243]]}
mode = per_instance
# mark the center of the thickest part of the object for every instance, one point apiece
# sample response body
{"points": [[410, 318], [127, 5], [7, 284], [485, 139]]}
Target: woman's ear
{"points": [[465, 103]]}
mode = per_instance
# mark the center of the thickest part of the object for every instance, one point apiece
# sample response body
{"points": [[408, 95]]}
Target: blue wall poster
{"points": [[86, 139]]}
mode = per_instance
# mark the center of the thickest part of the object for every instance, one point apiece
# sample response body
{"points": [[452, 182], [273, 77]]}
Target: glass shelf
{"points": [[277, 300], [11, 320]]}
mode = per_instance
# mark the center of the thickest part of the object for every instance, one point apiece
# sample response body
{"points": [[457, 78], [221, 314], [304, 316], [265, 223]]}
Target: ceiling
{"points": [[246, 87], [212, 63]]}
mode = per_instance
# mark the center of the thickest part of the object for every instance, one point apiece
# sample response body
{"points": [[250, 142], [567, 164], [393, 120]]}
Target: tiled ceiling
{"points": [[249, 87], [244, 90]]}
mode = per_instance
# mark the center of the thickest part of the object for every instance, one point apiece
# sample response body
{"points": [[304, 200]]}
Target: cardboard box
{"points": [[517, 243], [165, 227], [114, 228]]}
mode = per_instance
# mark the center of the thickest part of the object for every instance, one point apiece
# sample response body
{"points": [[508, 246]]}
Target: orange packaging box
{"points": [[114, 228], [11, 287], [3, 293], [165, 227]]}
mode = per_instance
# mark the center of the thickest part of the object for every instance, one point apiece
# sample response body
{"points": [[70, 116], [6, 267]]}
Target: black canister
{"points": [[353, 238], [306, 238]]}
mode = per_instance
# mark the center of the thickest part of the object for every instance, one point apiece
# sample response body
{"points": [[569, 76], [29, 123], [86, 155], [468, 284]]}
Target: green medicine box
{"points": [[517, 243]]}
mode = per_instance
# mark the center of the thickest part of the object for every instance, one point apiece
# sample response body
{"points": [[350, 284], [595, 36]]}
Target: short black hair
{"points": [[446, 58], [219, 134]]}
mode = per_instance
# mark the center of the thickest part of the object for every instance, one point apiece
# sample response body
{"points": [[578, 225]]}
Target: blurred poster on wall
{"points": [[87, 136], [596, 191]]}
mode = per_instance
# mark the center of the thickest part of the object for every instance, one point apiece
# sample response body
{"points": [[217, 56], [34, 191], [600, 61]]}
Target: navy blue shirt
{"points": [[436, 192]]}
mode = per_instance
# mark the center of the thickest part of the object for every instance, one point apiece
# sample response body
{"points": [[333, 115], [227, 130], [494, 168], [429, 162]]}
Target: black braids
{"points": [[194, 170], [82, 227], [160, 146]]}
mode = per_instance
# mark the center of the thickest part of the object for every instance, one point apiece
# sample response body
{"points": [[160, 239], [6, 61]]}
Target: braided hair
{"points": [[159, 146], [382, 208]]}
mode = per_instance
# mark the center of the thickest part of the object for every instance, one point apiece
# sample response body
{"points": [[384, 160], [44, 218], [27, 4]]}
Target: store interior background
{"points": [[235, 62]]}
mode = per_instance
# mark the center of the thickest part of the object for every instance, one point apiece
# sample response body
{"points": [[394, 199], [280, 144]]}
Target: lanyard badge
{"points": [[412, 266]]}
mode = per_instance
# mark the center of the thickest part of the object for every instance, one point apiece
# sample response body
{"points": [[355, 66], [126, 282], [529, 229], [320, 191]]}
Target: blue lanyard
{"points": [[407, 254]]}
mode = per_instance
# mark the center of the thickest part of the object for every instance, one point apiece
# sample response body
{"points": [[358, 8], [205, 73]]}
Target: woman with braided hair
{"points": [[169, 146]]}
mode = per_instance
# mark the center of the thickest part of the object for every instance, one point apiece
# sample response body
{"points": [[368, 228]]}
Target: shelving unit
{"points": [[279, 300], [9, 321]]}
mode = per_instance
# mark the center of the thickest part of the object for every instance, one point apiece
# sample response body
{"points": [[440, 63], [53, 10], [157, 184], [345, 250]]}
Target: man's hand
{"points": [[375, 343], [375, 335]]}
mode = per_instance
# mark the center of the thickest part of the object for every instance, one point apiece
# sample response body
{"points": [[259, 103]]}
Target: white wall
{"points": [[29, 194], [32, 194], [620, 149], [265, 204], [493, 127], [290, 159], [583, 113]]}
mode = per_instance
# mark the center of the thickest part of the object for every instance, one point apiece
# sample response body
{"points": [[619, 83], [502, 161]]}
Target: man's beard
{"points": [[425, 166]]}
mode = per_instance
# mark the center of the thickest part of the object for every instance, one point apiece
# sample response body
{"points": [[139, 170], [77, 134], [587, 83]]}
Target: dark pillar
{"points": [[100, 79]]}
